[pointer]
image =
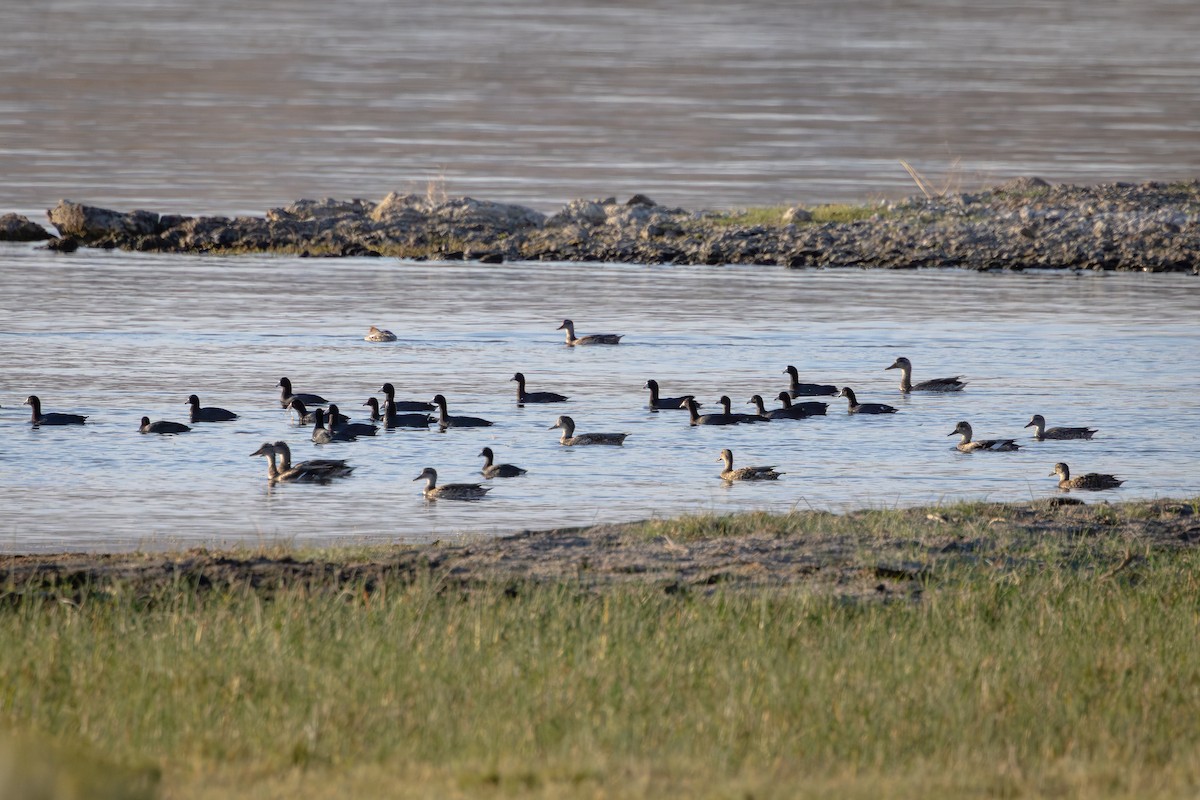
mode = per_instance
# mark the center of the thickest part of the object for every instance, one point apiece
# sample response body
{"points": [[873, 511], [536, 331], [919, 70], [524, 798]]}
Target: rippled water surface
{"points": [[116, 336]]}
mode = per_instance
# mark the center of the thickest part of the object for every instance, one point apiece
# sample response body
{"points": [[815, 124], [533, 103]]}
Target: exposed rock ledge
{"points": [[1022, 224]]}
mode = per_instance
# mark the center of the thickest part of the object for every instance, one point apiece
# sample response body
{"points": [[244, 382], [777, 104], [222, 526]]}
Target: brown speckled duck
{"points": [[1040, 431], [568, 438], [963, 429], [378, 335], [451, 491], [933, 385], [1093, 481], [594, 338], [745, 473], [318, 470]]}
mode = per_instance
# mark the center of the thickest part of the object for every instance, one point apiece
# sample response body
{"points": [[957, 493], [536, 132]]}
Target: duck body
{"points": [[163, 426], [810, 408], [378, 335], [286, 394], [595, 338], [390, 419], [736, 419], [798, 389], [389, 392], [665, 403], [967, 445], [323, 435], [855, 407], [210, 414], [451, 491], [696, 418], [445, 420], [314, 471], [745, 473], [1040, 431], [491, 470], [307, 417], [353, 429], [524, 397], [953, 384], [1092, 481], [37, 418], [569, 439]]}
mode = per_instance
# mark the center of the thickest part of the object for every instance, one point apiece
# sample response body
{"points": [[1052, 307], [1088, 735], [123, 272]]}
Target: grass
{"points": [[1024, 677], [772, 216]]}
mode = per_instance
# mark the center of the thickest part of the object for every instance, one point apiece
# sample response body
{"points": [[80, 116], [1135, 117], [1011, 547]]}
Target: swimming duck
{"points": [[286, 394], [524, 397], [491, 470], [447, 421], [451, 491], [53, 418], [798, 389], [810, 408], [162, 426], [348, 428], [595, 338], [323, 435], [727, 405], [389, 392], [1094, 481], [697, 418], [745, 473], [391, 419], [934, 385], [657, 402], [1040, 431], [307, 417], [568, 438], [377, 335], [993, 445], [210, 414], [315, 471], [864, 408]]}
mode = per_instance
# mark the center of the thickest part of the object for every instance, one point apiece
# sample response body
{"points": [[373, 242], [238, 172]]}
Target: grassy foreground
{"points": [[1065, 676]]}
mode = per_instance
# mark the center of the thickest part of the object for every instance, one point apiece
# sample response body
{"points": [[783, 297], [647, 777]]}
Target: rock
{"points": [[579, 212], [796, 214], [90, 224], [17, 228], [400, 205], [63, 245], [640, 200]]}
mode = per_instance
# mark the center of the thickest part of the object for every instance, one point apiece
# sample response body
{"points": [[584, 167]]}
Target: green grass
{"points": [[772, 216], [1027, 681]]}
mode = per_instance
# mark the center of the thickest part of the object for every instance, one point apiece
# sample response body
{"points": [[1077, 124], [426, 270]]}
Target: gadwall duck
{"points": [[390, 419], [54, 418], [389, 392], [696, 418], [856, 407], [798, 389], [491, 470], [323, 435], [595, 338], [348, 428], [992, 445], [745, 473], [320, 470], [934, 385], [209, 414], [1094, 481], [377, 335], [451, 491], [810, 408], [568, 438], [1040, 431], [657, 402], [286, 394], [164, 426], [524, 397], [306, 417], [447, 421]]}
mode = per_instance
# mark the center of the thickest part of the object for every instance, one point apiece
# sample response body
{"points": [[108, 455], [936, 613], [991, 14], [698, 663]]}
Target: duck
{"points": [[377, 335], [569, 439], [658, 403], [447, 421], [595, 338], [524, 397], [286, 394], [810, 408], [319, 470], [209, 414], [491, 470], [696, 418], [323, 435], [348, 428], [933, 385], [745, 473], [389, 392], [727, 405], [856, 407], [164, 426], [1094, 481], [307, 417], [790, 412], [54, 418], [451, 491], [798, 389], [992, 445], [1040, 431], [391, 419]]}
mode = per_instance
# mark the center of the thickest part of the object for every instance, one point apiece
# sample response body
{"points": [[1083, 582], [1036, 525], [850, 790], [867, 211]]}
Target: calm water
{"points": [[116, 336], [230, 106]]}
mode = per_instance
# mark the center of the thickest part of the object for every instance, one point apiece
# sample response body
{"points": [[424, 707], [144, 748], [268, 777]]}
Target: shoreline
{"points": [[1023, 224]]}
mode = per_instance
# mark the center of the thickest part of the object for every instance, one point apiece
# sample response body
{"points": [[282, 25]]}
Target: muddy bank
{"points": [[1023, 224], [875, 554]]}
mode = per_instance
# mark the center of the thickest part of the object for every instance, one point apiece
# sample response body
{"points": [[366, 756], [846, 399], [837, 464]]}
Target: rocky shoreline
{"points": [[1023, 224]]}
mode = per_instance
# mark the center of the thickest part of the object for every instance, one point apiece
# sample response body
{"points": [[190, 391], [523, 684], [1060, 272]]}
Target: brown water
{"points": [[229, 106]]}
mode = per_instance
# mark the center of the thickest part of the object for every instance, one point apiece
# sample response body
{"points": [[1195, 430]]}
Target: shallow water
{"points": [[117, 335], [228, 106]]}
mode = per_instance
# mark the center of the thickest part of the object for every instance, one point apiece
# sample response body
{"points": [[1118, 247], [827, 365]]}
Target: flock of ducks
{"points": [[330, 425]]}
